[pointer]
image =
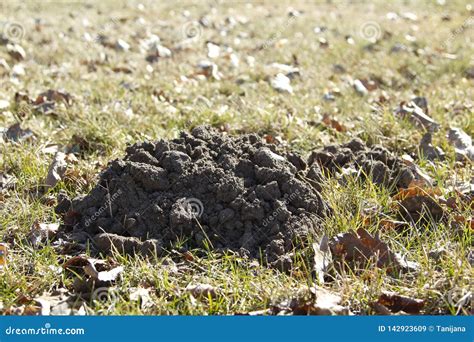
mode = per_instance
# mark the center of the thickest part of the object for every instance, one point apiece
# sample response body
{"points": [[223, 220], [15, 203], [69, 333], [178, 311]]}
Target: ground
{"points": [[121, 93]]}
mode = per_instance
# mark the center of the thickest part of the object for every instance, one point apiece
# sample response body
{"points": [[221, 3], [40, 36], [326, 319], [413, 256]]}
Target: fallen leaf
{"points": [[58, 304], [201, 290], [16, 51], [22, 97], [420, 176], [42, 232], [104, 276], [288, 70], [3, 255], [360, 87], [322, 258], [90, 273], [416, 189], [416, 201], [395, 303], [462, 143], [333, 123], [414, 113], [421, 102], [123, 69], [428, 151], [55, 96], [142, 295], [213, 50], [4, 104], [7, 181], [17, 134], [209, 70], [311, 301], [56, 170], [188, 256], [158, 51], [281, 83], [122, 45], [360, 247]]}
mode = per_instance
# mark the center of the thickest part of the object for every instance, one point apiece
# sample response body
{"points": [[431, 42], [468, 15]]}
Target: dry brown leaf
{"points": [[333, 123], [17, 134], [395, 303], [122, 69], [89, 273], [417, 189], [428, 151], [416, 200], [55, 96], [360, 247], [3, 255]]}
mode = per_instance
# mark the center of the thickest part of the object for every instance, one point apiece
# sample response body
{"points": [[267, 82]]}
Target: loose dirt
{"points": [[210, 190]]}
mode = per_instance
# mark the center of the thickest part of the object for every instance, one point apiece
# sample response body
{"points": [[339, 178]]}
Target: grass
{"points": [[59, 57]]}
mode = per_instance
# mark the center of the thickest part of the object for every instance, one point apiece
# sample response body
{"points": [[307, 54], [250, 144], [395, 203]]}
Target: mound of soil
{"points": [[357, 159], [204, 189]]}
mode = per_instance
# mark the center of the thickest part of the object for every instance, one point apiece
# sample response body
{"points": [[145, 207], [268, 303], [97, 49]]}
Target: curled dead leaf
{"points": [[56, 170], [201, 290], [360, 247], [322, 258], [42, 232], [395, 303], [416, 114], [311, 301]]}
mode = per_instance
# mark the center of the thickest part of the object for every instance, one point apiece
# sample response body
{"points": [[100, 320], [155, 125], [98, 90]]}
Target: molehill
{"points": [[204, 189], [210, 190]]}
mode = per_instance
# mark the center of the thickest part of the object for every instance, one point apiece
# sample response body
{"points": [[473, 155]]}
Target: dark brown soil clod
{"points": [[204, 188]]}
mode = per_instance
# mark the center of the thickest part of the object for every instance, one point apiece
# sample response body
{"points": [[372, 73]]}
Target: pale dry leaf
{"points": [[281, 83], [201, 290], [142, 295], [462, 143], [416, 114], [322, 258], [328, 303], [56, 170], [105, 276], [42, 232], [213, 50], [360, 88]]}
